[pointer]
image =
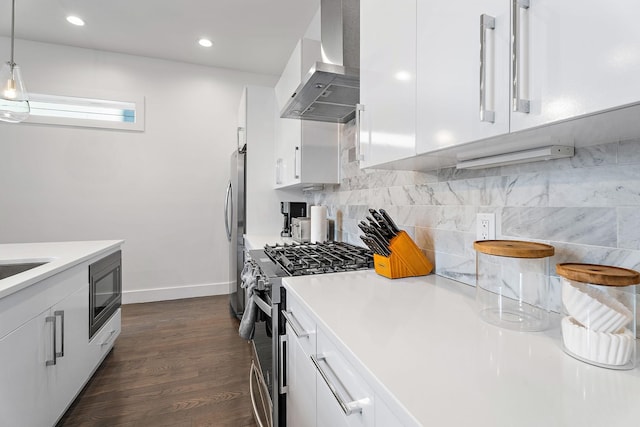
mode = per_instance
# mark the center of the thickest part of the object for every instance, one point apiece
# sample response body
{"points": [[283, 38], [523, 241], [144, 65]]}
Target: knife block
{"points": [[406, 259]]}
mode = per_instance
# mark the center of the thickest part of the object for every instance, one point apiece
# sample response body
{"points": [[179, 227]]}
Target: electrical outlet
{"points": [[485, 226]]}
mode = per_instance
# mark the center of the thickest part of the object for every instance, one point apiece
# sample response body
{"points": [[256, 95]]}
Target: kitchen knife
{"points": [[389, 221], [377, 247], [376, 231], [382, 244], [369, 243], [386, 229]]}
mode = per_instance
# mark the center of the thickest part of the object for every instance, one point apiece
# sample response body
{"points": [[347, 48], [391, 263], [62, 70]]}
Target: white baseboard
{"points": [[174, 292]]}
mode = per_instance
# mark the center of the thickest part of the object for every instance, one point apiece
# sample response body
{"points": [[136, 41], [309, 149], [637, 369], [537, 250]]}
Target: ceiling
{"points": [[249, 35]]}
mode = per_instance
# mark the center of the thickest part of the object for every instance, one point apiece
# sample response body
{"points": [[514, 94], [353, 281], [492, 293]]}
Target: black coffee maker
{"points": [[291, 210]]}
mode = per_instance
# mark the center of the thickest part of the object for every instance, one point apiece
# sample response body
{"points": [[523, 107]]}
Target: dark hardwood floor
{"points": [[176, 363]]}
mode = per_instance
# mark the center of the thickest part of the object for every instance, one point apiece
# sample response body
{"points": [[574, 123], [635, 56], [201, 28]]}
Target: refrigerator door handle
{"points": [[228, 198]]}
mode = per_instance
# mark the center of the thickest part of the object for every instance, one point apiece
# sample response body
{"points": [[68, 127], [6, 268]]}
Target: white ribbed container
{"points": [[599, 303]]}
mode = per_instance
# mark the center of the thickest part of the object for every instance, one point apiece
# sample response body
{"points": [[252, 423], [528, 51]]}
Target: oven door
{"points": [[262, 372], [105, 290]]}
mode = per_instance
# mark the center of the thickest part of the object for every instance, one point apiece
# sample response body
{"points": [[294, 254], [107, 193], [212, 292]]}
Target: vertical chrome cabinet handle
{"points": [[519, 105], [52, 319], [296, 164], [61, 314], [283, 365], [240, 131], [227, 199], [295, 325], [486, 23], [348, 407], [359, 110]]}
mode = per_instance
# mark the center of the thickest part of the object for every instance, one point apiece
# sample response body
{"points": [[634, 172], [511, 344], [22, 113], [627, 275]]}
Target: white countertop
{"points": [[58, 255], [257, 241], [424, 343]]}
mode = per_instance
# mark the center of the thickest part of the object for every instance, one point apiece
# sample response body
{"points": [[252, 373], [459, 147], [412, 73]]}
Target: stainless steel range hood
{"points": [[331, 89]]}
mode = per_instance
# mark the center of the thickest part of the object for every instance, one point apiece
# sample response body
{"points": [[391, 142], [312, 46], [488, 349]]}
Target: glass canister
{"points": [[599, 304], [512, 283]]}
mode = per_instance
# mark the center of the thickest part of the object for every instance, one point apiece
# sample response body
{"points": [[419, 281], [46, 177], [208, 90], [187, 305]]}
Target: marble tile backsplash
{"points": [[587, 206]]}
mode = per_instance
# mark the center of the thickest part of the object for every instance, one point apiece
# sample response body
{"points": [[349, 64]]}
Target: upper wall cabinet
{"points": [[387, 110], [307, 152], [575, 57], [462, 95], [441, 81], [539, 62]]}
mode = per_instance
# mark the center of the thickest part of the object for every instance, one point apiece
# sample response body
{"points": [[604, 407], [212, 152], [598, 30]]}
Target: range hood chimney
{"points": [[331, 89]]}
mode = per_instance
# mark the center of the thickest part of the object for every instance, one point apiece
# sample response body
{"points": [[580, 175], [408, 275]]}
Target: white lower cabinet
{"points": [[23, 374], [45, 361], [343, 397], [324, 387], [301, 384]]}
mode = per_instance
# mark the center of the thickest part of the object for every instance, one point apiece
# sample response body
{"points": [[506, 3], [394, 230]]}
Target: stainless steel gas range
{"points": [[268, 370]]}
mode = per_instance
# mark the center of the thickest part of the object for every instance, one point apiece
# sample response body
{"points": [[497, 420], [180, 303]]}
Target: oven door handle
{"points": [[262, 304]]}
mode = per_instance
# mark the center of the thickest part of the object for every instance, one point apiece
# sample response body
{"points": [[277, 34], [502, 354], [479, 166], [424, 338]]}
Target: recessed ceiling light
{"points": [[75, 20], [205, 43]]}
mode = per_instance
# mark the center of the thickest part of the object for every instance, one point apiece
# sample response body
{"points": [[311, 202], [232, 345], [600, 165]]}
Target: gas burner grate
{"points": [[319, 258]]}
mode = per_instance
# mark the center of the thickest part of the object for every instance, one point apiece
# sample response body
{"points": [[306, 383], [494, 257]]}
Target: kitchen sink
{"points": [[8, 270]]}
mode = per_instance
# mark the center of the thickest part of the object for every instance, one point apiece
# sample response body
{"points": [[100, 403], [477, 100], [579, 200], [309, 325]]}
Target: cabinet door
{"points": [[23, 374], [452, 70], [73, 364], [301, 384], [387, 80], [578, 57]]}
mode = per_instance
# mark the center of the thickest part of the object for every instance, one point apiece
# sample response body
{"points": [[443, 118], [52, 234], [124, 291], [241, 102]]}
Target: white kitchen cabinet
{"points": [[301, 383], [578, 57], [46, 353], [573, 59], [23, 374], [307, 152], [449, 72], [387, 110], [256, 129], [344, 398], [301, 373]]}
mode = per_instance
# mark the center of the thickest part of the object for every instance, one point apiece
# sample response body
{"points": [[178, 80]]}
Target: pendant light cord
{"points": [[13, 19]]}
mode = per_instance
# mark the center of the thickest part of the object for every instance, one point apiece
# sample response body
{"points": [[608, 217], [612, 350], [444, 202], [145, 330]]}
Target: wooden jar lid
{"points": [[514, 248], [598, 274]]}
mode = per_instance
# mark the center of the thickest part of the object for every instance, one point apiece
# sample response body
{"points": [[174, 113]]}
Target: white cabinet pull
{"points": [[295, 325], [486, 23], [519, 104], [349, 406]]}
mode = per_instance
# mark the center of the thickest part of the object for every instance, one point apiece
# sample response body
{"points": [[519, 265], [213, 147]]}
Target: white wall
{"points": [[161, 190]]}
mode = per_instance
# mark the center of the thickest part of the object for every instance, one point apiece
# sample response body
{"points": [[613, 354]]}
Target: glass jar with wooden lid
{"points": [[512, 283], [599, 304]]}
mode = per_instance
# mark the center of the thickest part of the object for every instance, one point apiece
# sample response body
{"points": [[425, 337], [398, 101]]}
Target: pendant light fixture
{"points": [[14, 100]]}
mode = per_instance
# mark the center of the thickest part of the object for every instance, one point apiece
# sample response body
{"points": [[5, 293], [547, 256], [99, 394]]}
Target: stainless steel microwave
{"points": [[105, 290]]}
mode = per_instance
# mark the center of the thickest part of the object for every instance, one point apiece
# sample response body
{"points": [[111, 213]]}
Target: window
{"points": [[86, 112]]}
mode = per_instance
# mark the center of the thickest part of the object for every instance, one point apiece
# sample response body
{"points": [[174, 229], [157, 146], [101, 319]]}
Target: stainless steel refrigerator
{"points": [[235, 223]]}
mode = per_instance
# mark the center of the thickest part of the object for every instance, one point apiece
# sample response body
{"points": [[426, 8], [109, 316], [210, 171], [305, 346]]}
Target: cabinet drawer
{"points": [[302, 324], [103, 341], [343, 396]]}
